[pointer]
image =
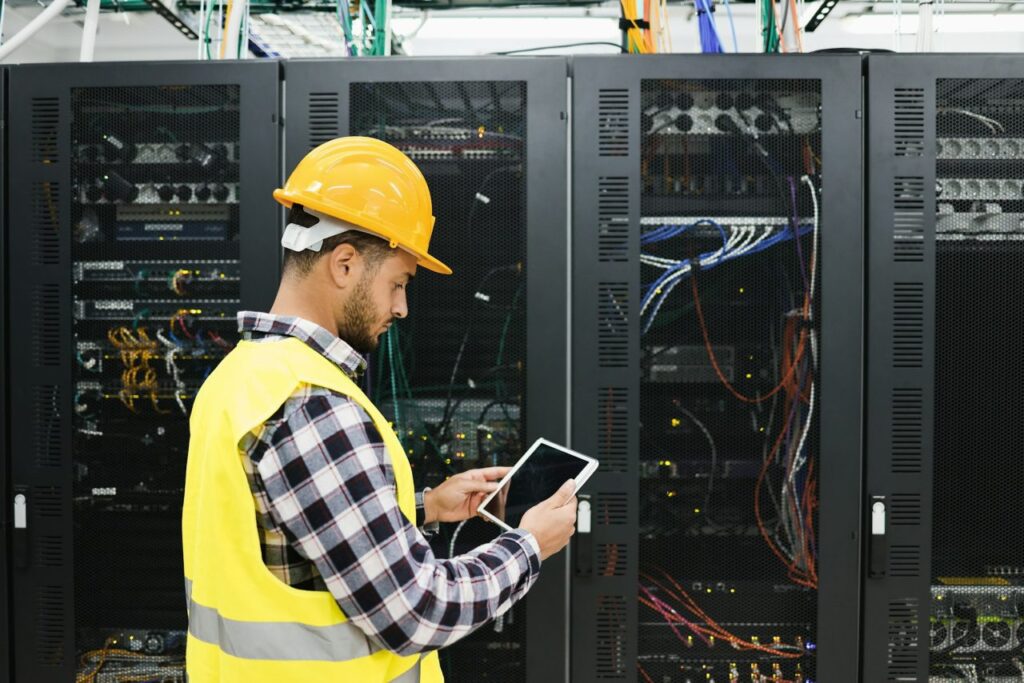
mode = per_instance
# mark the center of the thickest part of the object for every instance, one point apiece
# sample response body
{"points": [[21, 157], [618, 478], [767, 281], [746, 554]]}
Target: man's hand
{"points": [[553, 521], [459, 497]]}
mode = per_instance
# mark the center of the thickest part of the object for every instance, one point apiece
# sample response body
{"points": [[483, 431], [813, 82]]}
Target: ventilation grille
{"points": [[905, 561], [907, 430], [612, 509], [49, 551], [324, 118], [903, 641], [45, 128], [611, 559], [50, 620], [908, 219], [613, 219], [613, 420], [613, 123], [47, 501], [909, 122], [905, 509], [613, 325], [45, 202], [908, 325], [611, 637], [46, 325], [46, 405]]}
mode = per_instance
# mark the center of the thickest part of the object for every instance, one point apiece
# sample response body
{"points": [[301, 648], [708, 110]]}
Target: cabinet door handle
{"points": [[19, 544], [584, 538], [878, 549]]}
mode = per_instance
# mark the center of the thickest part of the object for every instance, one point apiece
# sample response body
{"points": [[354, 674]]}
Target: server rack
{"points": [[5, 517], [137, 233], [478, 370], [675, 581], [943, 473]]}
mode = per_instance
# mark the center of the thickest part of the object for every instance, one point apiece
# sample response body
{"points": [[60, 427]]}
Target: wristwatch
{"points": [[421, 515]]}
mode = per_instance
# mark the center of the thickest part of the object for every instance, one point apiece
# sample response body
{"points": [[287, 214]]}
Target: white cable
{"points": [[897, 13], [172, 368], [924, 26], [814, 266], [30, 29], [455, 534], [92, 24], [229, 43]]}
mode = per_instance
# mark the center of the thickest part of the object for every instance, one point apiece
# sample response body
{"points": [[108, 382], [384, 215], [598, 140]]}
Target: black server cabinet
{"points": [[944, 572], [478, 370], [723, 536], [138, 233], [5, 503]]}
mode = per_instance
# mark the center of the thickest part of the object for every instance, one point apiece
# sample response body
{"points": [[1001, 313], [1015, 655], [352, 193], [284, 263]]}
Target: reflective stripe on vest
{"points": [[276, 639]]}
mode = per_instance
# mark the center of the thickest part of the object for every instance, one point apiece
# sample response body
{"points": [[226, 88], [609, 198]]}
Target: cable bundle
{"points": [[744, 240], [709, 39]]}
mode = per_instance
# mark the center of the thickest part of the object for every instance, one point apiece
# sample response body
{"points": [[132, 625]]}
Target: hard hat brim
{"points": [[286, 199]]}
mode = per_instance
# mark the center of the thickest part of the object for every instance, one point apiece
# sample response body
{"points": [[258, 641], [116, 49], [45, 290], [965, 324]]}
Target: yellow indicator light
{"points": [[732, 590], [480, 132], [423, 438], [760, 429], [222, 276], [671, 494], [743, 290], [490, 436], [750, 358], [460, 454], [696, 511], [460, 435], [676, 422], [709, 590], [410, 451], [750, 376], [447, 461]]}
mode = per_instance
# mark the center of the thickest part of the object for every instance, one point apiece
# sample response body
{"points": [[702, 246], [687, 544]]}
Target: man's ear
{"points": [[344, 264]]}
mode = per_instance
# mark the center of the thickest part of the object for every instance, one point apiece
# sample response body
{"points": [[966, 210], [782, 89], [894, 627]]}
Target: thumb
{"points": [[563, 495]]}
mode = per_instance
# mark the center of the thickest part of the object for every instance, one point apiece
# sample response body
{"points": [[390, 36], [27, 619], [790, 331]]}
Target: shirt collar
{"points": [[254, 324]]}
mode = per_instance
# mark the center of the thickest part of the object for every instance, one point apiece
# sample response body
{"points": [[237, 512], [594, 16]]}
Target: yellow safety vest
{"points": [[245, 624]]}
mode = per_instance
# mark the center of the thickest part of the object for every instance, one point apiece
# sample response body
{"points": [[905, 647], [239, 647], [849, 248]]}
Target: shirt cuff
{"points": [[427, 529], [529, 545]]}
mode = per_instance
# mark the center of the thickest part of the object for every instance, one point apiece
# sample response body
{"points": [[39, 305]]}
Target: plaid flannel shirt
{"points": [[328, 517]]}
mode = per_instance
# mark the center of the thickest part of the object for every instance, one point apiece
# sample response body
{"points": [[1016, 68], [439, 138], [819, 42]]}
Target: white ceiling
{"points": [[146, 36]]}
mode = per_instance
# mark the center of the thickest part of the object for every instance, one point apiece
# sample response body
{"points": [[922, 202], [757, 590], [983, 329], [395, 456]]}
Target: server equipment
{"points": [[716, 368], [478, 369], [944, 587], [136, 234]]}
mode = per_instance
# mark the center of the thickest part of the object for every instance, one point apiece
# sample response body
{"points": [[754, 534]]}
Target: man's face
{"points": [[378, 298]]}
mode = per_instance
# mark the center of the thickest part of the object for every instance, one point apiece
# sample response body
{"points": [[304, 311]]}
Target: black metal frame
{"points": [[900, 394], [604, 613], [5, 500], [546, 284], [43, 604]]}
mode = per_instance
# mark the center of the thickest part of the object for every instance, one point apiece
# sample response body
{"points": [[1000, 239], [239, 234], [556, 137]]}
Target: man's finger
{"points": [[564, 494], [475, 486], [492, 472]]}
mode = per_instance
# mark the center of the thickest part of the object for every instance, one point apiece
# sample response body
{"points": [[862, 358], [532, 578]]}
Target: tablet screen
{"points": [[537, 479]]}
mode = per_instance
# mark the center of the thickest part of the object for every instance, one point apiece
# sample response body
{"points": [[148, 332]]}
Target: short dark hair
{"points": [[374, 249]]}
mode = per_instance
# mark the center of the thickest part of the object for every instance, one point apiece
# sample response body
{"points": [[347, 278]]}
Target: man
{"points": [[303, 560]]}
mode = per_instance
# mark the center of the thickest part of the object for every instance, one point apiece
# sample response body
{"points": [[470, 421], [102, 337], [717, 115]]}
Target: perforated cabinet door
{"points": [[716, 367], [478, 369], [140, 235], [945, 571]]}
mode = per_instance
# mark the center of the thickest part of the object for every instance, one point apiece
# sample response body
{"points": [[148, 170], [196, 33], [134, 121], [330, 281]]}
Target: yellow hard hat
{"points": [[371, 185]]}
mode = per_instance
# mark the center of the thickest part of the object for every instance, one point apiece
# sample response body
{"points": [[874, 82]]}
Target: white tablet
{"points": [[537, 476]]}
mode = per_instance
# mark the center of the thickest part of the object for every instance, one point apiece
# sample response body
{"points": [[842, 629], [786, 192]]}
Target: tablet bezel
{"points": [[580, 479]]}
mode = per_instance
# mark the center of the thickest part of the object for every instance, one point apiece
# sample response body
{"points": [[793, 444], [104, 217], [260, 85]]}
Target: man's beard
{"points": [[357, 324]]}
